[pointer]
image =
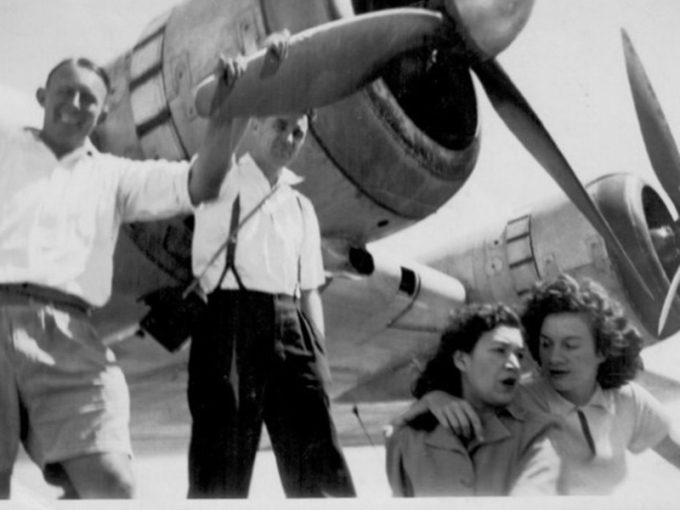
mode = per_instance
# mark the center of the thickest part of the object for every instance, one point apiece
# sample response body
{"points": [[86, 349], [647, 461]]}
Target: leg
{"points": [[103, 475], [297, 414], [10, 412], [227, 369], [77, 405]]}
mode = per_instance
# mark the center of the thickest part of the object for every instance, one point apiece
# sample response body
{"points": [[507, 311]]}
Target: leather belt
{"points": [[25, 292]]}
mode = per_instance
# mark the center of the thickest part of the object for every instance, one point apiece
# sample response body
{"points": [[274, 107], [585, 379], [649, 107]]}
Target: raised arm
{"points": [[216, 154]]}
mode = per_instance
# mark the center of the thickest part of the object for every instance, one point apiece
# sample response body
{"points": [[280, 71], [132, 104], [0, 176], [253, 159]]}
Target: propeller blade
{"points": [[668, 302], [659, 142], [518, 115]]}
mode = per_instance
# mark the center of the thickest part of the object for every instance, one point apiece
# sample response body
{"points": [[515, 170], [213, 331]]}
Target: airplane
{"points": [[383, 311]]}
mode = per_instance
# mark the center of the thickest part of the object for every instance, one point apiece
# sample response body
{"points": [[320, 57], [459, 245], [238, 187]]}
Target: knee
{"points": [[101, 477], [116, 485]]}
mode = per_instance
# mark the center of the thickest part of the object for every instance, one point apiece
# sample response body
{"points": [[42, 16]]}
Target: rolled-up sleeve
{"points": [[152, 190]]}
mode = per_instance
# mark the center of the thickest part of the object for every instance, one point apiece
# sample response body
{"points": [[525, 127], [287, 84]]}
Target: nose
{"points": [[513, 361], [74, 100], [554, 355]]}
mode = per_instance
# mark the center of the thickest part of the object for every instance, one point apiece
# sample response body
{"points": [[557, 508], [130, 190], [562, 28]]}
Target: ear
{"points": [[460, 360], [40, 96]]}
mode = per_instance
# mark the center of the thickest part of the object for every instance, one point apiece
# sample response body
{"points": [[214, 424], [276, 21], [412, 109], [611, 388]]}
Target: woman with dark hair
{"points": [[588, 354], [479, 359]]}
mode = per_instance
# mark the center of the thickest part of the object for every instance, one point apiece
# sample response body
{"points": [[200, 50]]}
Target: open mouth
{"points": [[557, 374], [510, 382]]}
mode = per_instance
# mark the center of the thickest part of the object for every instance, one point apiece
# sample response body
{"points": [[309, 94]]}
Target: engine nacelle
{"points": [[503, 263]]}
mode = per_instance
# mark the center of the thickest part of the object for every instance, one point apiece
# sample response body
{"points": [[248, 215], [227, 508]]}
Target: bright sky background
{"points": [[568, 63]]}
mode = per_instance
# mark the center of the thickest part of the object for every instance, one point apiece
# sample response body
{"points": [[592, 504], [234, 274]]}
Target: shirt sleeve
{"points": [[652, 423], [396, 471], [153, 190], [311, 270]]}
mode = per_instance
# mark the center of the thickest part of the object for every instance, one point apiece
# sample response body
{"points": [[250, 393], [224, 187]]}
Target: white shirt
{"points": [[624, 419], [284, 231], [60, 218]]}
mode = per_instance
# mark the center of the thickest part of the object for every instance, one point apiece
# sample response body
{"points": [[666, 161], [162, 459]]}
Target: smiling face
{"points": [[491, 372], [568, 356], [278, 139], [73, 100]]}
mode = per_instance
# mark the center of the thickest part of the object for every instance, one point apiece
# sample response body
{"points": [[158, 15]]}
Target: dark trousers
{"points": [[249, 363]]}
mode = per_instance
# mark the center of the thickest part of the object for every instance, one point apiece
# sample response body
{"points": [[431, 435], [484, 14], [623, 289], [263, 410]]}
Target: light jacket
{"points": [[516, 457]]}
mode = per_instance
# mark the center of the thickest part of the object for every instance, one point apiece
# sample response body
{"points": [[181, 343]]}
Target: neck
{"points": [[579, 397], [477, 404], [57, 148], [272, 173]]}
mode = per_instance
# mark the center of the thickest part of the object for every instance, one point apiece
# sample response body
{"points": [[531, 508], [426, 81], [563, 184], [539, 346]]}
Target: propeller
{"points": [[661, 148], [521, 119]]}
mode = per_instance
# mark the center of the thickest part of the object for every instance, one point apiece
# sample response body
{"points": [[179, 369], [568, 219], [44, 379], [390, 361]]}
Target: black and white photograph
{"points": [[339, 253]]}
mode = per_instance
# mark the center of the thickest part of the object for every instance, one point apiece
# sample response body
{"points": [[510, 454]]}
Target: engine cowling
{"points": [[374, 163], [553, 237]]}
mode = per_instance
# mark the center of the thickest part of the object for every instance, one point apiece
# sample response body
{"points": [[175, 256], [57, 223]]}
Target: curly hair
{"points": [[615, 337], [462, 334]]}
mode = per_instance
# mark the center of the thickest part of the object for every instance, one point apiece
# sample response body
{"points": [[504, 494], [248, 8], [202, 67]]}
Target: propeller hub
{"points": [[489, 26]]}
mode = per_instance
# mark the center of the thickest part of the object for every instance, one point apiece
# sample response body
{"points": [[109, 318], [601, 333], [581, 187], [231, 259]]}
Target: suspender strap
{"points": [[231, 244], [195, 282]]}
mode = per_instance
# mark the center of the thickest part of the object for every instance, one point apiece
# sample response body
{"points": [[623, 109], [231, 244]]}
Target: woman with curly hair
{"points": [[479, 359], [588, 354]]}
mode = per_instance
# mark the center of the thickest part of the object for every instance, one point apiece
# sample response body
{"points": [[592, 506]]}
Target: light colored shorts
{"points": [[61, 391]]}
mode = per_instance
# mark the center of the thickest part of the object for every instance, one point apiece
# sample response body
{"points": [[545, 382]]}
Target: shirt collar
{"points": [[250, 170], [560, 405], [87, 149]]}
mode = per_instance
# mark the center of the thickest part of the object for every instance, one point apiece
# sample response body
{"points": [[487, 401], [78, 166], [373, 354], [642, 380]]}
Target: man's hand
{"points": [[230, 69], [277, 45], [452, 412]]}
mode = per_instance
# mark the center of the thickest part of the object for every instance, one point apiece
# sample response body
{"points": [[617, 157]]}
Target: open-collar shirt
{"points": [[279, 241], [60, 217], [624, 419]]}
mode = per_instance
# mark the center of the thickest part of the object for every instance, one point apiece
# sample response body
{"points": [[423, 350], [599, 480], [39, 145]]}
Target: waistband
{"points": [[235, 294], [23, 293]]}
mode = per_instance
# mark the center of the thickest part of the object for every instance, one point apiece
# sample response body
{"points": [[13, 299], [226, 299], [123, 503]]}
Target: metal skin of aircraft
{"points": [[375, 163]]}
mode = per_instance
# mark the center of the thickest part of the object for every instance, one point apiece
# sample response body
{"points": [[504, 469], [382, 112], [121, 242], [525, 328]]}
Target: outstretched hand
{"points": [[452, 412]]}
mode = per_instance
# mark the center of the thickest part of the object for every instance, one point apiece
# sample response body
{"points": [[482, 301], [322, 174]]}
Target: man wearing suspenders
{"points": [[250, 360]]}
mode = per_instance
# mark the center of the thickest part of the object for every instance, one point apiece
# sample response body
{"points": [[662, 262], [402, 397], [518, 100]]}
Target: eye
{"points": [[298, 134]]}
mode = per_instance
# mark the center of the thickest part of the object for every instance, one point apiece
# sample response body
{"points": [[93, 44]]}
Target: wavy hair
{"points": [[462, 334], [615, 337]]}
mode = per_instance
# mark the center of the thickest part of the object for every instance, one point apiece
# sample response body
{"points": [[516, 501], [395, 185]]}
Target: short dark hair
{"points": [[462, 334], [615, 337], [82, 62]]}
